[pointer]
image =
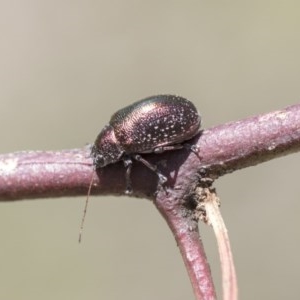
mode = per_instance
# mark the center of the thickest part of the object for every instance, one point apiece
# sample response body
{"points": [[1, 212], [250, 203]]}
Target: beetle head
{"points": [[106, 149]]}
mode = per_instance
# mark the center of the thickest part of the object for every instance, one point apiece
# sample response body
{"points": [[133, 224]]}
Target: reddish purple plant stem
{"points": [[186, 233], [223, 149]]}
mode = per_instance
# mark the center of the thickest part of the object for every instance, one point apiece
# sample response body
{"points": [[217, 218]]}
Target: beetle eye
{"points": [[99, 160]]}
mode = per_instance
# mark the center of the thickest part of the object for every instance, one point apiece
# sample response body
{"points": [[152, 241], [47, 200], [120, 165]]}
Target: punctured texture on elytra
{"points": [[154, 122]]}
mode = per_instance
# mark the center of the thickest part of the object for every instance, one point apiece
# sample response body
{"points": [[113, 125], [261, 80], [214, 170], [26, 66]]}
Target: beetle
{"points": [[154, 124]]}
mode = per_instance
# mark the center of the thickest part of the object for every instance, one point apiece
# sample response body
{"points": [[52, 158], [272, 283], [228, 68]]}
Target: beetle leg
{"points": [[161, 178], [168, 148], [194, 148], [128, 166]]}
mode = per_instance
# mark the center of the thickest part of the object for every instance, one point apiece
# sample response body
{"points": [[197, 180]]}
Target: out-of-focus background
{"points": [[66, 66]]}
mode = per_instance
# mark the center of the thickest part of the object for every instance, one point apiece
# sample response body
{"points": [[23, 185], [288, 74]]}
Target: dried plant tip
{"points": [[213, 216]]}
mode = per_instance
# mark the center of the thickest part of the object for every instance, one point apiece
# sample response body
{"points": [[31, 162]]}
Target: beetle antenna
{"points": [[86, 205]]}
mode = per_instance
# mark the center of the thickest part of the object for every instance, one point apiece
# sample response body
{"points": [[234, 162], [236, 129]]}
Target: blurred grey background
{"points": [[66, 66]]}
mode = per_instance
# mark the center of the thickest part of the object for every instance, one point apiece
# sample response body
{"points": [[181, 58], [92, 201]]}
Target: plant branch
{"points": [[184, 226], [223, 149]]}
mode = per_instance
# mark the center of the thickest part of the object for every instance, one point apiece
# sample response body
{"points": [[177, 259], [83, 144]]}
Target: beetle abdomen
{"points": [[154, 122]]}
